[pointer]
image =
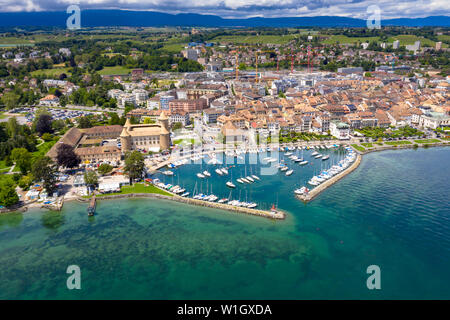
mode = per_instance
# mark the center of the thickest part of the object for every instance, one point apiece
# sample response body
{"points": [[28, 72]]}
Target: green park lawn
{"points": [[138, 188], [367, 144], [117, 70], [358, 147], [396, 143], [51, 72], [427, 141]]}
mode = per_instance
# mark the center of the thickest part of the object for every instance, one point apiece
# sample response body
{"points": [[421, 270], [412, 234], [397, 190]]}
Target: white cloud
{"points": [[248, 8]]}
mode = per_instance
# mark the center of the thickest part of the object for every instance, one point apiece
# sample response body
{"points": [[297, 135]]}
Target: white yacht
{"points": [[289, 172], [255, 177], [230, 184], [200, 175], [301, 190], [206, 174], [219, 172]]}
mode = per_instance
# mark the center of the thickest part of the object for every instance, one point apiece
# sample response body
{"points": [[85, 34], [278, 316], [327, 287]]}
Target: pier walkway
{"points": [[323, 186]]}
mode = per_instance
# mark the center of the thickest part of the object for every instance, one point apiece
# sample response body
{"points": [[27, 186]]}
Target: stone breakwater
{"points": [[278, 215], [323, 186]]}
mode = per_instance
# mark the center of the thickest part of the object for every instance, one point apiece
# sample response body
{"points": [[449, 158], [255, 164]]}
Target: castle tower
{"points": [[164, 138], [125, 139]]}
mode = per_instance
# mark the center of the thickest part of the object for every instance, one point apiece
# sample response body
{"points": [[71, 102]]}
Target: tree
{"points": [[8, 194], [44, 169], [84, 122], [10, 99], [90, 178], [66, 156], [177, 126], [44, 124], [22, 158], [104, 168], [114, 118], [47, 136], [13, 127], [134, 165], [149, 120]]}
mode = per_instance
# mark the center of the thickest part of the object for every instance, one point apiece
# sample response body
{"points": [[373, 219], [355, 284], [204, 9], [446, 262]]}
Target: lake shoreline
{"points": [[279, 215]]}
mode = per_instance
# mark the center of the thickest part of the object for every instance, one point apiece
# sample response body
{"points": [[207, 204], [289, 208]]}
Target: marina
{"points": [[243, 177]]}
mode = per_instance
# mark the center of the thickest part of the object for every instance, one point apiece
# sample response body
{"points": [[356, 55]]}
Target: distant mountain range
{"points": [[110, 18]]}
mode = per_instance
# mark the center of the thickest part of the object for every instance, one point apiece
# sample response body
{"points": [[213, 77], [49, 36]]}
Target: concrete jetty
{"points": [[323, 186], [276, 215]]}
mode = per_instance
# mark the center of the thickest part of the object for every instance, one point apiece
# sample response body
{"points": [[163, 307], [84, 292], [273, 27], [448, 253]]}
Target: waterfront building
{"points": [[434, 120], [340, 130]]}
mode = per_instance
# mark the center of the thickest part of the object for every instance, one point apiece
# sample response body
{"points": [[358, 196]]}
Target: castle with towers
{"points": [[150, 137]]}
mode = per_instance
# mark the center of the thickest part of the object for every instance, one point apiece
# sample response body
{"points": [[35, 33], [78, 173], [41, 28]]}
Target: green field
{"points": [[43, 149], [139, 188], [358, 147], [404, 40], [367, 145], [265, 39], [51, 72], [173, 47], [428, 141], [341, 39], [117, 70], [396, 143], [410, 39]]}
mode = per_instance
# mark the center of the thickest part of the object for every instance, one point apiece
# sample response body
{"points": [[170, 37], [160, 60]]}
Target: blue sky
{"points": [[248, 8]]}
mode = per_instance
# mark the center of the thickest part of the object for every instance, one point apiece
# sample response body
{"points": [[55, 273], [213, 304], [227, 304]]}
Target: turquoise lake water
{"points": [[392, 211]]}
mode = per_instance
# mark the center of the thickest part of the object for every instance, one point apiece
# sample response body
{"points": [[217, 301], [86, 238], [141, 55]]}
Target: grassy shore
{"points": [[358, 147], [138, 188], [396, 143], [428, 141]]}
